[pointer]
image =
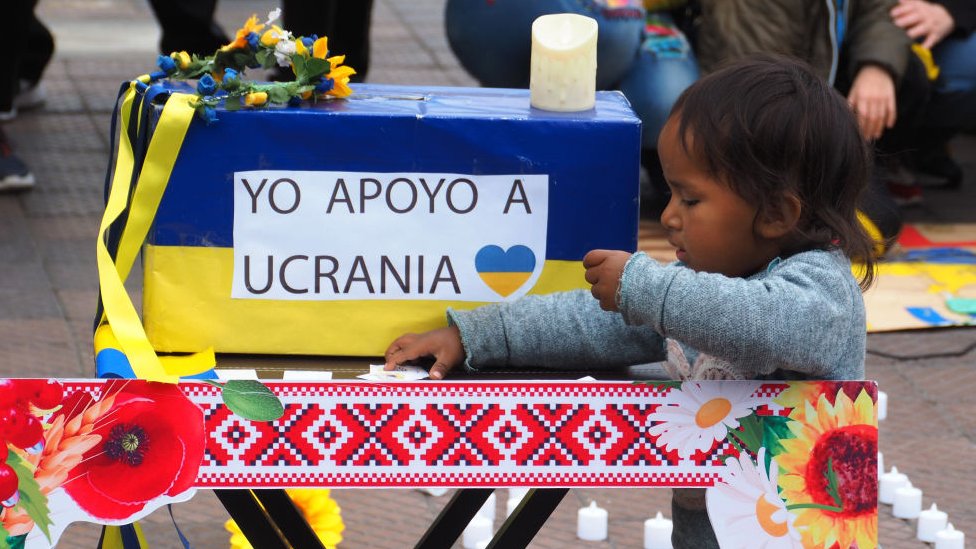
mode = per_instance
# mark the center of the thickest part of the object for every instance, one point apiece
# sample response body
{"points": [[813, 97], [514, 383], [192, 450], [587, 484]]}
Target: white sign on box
{"points": [[310, 235]]}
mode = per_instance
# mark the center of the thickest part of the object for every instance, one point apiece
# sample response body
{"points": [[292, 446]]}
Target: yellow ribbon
{"points": [[925, 55], [123, 322]]}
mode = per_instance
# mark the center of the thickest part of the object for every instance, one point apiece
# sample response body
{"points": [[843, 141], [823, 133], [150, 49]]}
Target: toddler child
{"points": [[765, 164]]}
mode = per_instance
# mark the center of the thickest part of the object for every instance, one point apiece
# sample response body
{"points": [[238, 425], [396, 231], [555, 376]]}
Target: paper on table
{"points": [[225, 375], [400, 373], [306, 375]]}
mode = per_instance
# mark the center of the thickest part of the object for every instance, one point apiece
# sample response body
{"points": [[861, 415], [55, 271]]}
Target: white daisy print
{"points": [[745, 508], [701, 414]]}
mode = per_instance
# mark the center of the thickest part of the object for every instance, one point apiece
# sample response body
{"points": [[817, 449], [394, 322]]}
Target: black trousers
{"points": [[30, 49]]}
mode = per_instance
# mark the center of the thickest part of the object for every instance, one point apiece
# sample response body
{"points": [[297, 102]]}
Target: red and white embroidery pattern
{"points": [[453, 434]]}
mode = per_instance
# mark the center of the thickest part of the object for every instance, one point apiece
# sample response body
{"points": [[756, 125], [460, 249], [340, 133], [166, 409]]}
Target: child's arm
{"points": [[565, 330], [805, 314]]}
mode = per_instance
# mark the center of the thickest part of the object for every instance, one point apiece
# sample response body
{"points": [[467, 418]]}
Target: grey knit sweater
{"points": [[800, 318]]}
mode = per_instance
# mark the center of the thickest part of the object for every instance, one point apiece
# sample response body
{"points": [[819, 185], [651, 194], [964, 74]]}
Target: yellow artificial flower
{"points": [[340, 76], [845, 434], [240, 41], [182, 59], [272, 36], [256, 99], [319, 509], [320, 48]]}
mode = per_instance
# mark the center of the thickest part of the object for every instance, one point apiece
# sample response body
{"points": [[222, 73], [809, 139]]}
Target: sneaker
{"points": [[14, 174], [30, 95], [905, 195]]}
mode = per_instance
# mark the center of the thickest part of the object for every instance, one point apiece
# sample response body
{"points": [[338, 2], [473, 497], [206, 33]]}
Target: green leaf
{"points": [[751, 434], [233, 103], [251, 399], [278, 94], [31, 498], [263, 56], [315, 67], [775, 429], [301, 73]]}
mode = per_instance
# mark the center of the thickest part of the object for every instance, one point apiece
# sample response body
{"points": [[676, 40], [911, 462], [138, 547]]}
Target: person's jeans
{"points": [[493, 40], [953, 102], [654, 82]]}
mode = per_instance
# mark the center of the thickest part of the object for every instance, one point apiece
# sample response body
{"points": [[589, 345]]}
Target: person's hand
{"points": [[872, 97], [923, 19], [444, 344], [603, 271]]}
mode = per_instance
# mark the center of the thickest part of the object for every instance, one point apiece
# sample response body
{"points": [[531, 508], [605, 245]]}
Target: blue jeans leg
{"points": [[653, 85]]}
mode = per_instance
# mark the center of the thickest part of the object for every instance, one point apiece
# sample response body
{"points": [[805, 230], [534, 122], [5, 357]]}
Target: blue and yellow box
{"points": [[333, 228]]}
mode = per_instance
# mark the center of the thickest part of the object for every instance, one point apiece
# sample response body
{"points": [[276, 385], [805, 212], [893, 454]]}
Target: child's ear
{"points": [[780, 220]]}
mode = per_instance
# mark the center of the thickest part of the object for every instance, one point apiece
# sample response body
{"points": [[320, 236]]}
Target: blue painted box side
{"points": [[591, 157]]}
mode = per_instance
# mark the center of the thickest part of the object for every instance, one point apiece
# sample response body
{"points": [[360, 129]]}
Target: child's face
{"points": [[712, 227]]}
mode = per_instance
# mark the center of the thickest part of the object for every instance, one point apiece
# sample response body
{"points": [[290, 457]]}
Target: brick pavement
{"points": [[47, 298]]}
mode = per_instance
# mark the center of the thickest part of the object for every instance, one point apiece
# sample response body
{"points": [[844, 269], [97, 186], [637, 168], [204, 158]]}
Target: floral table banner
{"points": [[793, 463]]}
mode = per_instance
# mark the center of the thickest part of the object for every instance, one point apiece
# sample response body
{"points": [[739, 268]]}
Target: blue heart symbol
{"points": [[504, 271]]}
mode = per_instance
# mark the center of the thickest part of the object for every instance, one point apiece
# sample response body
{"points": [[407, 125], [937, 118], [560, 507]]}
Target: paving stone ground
{"points": [[48, 293]]}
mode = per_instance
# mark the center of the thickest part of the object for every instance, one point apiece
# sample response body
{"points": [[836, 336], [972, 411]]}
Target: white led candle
{"points": [[657, 532], [888, 483], [908, 502], [950, 538], [477, 531], [931, 521], [488, 509], [563, 65], [591, 523], [882, 405], [880, 465]]}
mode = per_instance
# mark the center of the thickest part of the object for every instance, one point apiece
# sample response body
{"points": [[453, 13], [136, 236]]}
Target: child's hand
{"points": [[443, 344], [603, 270]]}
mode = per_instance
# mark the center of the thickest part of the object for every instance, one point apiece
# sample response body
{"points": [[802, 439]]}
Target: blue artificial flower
{"points": [[209, 115], [295, 101], [307, 42], [207, 85], [253, 40], [166, 63], [325, 85], [231, 79]]}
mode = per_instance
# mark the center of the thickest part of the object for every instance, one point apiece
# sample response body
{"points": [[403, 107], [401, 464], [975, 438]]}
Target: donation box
{"points": [[332, 229]]}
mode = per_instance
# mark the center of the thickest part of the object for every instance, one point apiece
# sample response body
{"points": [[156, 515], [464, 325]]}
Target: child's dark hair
{"points": [[768, 126]]}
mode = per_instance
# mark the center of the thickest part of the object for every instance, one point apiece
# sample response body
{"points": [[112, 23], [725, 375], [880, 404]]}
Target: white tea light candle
{"points": [[591, 523], [657, 532], [888, 483], [562, 76], [882, 405], [908, 502], [950, 538], [880, 465], [931, 521]]}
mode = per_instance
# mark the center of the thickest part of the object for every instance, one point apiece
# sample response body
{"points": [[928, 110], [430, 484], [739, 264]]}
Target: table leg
{"points": [[290, 521], [454, 518], [527, 519], [257, 526]]}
